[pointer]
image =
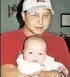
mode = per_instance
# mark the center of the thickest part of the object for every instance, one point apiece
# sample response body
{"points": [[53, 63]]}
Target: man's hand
{"points": [[49, 74], [68, 75], [63, 70], [10, 70]]}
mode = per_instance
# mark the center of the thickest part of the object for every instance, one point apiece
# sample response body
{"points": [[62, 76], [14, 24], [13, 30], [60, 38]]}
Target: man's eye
{"points": [[46, 15], [40, 53], [30, 52], [35, 15]]}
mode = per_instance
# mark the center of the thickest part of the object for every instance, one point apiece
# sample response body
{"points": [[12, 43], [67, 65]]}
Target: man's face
{"points": [[37, 23], [35, 52]]}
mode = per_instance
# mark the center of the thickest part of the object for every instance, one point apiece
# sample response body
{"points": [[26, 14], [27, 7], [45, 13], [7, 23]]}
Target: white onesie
{"points": [[26, 67]]}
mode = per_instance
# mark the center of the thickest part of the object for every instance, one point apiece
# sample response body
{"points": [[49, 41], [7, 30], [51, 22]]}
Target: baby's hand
{"points": [[35, 73], [43, 68], [63, 70]]}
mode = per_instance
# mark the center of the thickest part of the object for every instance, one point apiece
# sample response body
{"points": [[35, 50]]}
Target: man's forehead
{"points": [[40, 0], [40, 11]]}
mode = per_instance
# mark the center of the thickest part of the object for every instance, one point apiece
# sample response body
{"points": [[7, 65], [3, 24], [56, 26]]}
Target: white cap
{"points": [[33, 5]]}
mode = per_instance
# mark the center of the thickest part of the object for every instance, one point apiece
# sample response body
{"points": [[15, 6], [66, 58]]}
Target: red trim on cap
{"points": [[40, 0]]}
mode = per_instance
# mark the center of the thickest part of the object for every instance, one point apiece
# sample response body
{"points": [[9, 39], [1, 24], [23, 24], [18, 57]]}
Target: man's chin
{"points": [[39, 33]]}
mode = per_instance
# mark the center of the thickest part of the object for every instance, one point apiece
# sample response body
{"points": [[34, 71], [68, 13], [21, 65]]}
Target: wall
{"points": [[8, 23], [59, 6]]}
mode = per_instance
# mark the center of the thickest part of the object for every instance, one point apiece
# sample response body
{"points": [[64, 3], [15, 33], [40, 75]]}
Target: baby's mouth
{"points": [[35, 61]]}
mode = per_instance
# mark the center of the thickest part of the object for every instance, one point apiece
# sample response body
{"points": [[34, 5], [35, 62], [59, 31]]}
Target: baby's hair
{"points": [[34, 37]]}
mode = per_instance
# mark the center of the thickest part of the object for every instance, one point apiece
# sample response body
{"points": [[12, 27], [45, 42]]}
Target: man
{"points": [[36, 14]]}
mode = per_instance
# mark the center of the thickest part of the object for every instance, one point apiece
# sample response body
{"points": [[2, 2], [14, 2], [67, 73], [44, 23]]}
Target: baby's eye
{"points": [[40, 53], [30, 52]]}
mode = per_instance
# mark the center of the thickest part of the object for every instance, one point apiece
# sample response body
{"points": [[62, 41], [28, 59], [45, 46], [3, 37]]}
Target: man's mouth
{"points": [[39, 27]]}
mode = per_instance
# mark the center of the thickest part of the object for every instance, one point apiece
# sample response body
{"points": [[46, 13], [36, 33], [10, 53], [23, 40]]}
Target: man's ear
{"points": [[23, 51], [23, 15]]}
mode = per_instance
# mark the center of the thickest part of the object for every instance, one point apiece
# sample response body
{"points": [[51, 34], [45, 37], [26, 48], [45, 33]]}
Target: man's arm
{"points": [[10, 70], [68, 75], [51, 73]]}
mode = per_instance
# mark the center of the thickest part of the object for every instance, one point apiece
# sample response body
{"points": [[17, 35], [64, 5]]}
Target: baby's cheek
{"points": [[28, 58], [40, 60]]}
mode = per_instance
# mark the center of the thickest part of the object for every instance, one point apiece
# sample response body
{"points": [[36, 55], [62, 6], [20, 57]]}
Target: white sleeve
{"points": [[51, 64], [26, 67]]}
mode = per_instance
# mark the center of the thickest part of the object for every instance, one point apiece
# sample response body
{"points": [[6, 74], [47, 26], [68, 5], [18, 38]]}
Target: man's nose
{"points": [[40, 21]]}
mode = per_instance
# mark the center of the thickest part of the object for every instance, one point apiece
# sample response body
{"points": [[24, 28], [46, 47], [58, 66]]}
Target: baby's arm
{"points": [[63, 70], [42, 67]]}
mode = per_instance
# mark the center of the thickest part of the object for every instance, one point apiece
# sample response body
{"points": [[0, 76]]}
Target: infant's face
{"points": [[35, 52]]}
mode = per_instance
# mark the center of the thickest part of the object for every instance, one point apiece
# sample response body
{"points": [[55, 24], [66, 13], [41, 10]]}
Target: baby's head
{"points": [[35, 49]]}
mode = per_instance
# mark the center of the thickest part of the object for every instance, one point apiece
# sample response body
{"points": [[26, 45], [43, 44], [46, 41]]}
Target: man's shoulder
{"points": [[51, 36], [11, 34], [16, 37]]}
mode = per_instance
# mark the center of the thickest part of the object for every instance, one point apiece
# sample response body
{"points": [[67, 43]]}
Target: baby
{"points": [[33, 58]]}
